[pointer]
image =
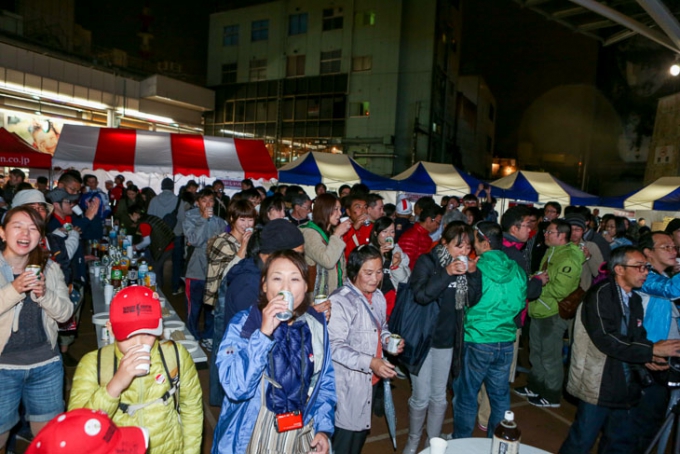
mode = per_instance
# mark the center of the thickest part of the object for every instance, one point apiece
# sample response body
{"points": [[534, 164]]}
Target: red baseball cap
{"points": [[135, 310], [90, 431]]}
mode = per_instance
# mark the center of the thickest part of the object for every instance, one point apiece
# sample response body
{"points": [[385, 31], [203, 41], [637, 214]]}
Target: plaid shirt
{"points": [[221, 252]]}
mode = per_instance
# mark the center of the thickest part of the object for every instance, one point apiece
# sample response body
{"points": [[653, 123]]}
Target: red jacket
{"points": [[415, 242], [361, 236]]}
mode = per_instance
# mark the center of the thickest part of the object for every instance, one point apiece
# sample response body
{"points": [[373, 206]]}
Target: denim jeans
{"points": [[616, 425], [177, 263], [482, 363], [40, 389], [194, 295]]}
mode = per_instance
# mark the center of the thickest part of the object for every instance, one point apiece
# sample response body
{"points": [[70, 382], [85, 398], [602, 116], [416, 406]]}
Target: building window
{"points": [[297, 24], [259, 30], [258, 70], [330, 61], [360, 109], [362, 63], [295, 66], [229, 73], [364, 18], [332, 19], [230, 35]]}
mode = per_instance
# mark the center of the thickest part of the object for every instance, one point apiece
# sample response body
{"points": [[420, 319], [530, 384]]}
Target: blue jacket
{"points": [[241, 360], [657, 293]]}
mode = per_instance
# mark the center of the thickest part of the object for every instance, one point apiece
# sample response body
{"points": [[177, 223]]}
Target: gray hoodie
{"points": [[198, 230], [165, 203]]}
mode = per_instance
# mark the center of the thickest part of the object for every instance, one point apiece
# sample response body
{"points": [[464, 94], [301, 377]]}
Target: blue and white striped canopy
{"points": [[333, 170]]}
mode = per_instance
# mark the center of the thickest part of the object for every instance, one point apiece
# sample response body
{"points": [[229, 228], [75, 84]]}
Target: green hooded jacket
{"points": [[504, 293], [563, 265]]}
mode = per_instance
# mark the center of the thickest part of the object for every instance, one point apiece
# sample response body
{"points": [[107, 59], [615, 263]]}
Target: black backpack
{"points": [[171, 218]]}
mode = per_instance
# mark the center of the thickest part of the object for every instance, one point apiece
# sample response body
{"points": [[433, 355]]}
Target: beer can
{"points": [[389, 242], [35, 269], [319, 299], [464, 259], [393, 344], [288, 298]]}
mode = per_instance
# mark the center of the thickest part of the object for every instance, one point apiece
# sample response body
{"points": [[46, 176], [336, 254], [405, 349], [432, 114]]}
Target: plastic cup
{"points": [[146, 367], [77, 210], [438, 445], [108, 294], [464, 259]]}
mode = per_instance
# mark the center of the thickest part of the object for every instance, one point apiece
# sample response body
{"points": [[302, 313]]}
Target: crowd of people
{"points": [[302, 303]]}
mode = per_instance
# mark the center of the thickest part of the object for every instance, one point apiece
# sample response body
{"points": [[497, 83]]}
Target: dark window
{"points": [[295, 66], [230, 35], [259, 30], [332, 19], [330, 61], [297, 24], [229, 73]]}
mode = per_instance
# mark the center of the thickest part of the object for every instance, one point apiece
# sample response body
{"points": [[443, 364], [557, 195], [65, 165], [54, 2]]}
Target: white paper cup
{"points": [[146, 367], [162, 301], [108, 294], [438, 445], [130, 252], [77, 210]]}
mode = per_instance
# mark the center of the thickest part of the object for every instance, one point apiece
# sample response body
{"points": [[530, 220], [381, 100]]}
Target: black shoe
{"points": [[69, 361]]}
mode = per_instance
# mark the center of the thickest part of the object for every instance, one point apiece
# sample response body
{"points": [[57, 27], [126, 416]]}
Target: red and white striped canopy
{"points": [[128, 150]]}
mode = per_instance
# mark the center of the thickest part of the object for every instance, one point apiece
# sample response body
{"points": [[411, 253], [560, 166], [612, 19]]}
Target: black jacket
{"points": [[431, 283], [603, 358], [534, 285]]}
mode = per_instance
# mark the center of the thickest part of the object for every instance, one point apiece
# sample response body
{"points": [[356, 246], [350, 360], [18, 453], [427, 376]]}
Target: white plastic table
{"points": [[99, 306], [480, 446]]}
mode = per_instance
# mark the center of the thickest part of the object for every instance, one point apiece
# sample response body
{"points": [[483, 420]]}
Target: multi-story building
{"points": [[373, 79], [49, 77]]}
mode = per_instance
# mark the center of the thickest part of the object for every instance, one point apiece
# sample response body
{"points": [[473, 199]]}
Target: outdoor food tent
{"points": [[149, 156], [333, 170], [438, 179], [542, 187], [15, 152]]}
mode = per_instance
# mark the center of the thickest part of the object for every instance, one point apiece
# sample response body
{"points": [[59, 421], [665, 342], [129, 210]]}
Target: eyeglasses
{"points": [[305, 207], [641, 268], [550, 232], [525, 226], [667, 248]]}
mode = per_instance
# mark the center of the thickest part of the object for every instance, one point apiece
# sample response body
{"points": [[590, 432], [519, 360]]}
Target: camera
{"points": [[642, 374]]}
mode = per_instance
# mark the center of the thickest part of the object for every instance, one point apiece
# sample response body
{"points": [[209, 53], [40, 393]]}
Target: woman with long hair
{"points": [[615, 233], [32, 302], [272, 207], [324, 246], [445, 276], [269, 367], [395, 262]]}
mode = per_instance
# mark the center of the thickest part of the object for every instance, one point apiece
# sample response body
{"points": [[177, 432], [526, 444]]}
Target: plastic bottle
{"points": [[151, 279], [507, 436], [142, 270]]}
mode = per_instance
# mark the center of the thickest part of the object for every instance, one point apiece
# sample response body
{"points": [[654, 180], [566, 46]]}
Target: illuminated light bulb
{"points": [[675, 70]]}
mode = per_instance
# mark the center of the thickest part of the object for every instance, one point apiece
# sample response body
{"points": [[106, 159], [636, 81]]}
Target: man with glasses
{"points": [[301, 207], [609, 351], [661, 323], [591, 251], [562, 263], [537, 245]]}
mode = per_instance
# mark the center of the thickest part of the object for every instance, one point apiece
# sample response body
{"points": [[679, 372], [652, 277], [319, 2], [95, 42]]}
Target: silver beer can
{"points": [[288, 298]]}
